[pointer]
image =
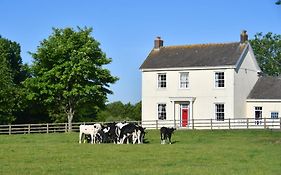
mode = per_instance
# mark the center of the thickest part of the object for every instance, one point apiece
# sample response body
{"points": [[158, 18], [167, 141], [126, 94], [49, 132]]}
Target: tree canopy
{"points": [[117, 111], [11, 75], [267, 49], [68, 74]]}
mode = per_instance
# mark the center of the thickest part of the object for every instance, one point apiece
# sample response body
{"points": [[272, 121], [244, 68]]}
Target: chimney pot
{"points": [[158, 42], [243, 36]]}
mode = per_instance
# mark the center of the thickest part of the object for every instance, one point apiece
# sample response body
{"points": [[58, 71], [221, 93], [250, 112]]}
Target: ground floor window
{"points": [[162, 111], [219, 112], [274, 115], [258, 113]]}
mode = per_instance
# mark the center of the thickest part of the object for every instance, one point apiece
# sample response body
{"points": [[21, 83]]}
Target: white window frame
{"points": [[184, 83], [274, 114], [161, 112], [258, 111], [219, 115], [161, 83], [217, 81]]}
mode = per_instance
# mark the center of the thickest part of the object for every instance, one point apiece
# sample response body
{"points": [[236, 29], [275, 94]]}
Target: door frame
{"points": [[184, 106]]}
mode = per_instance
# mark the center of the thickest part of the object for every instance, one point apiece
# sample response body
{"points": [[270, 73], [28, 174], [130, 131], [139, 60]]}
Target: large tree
{"points": [[267, 49], [68, 74], [11, 75]]}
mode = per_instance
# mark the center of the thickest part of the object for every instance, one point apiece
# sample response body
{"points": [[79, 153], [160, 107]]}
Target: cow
{"points": [[132, 132], [166, 134], [92, 130], [118, 128]]}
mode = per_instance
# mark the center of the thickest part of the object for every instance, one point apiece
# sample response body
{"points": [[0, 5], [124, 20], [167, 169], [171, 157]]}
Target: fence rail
{"points": [[242, 123]]}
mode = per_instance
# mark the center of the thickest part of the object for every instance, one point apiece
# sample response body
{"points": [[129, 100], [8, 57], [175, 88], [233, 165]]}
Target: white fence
{"points": [[242, 123], [237, 123]]}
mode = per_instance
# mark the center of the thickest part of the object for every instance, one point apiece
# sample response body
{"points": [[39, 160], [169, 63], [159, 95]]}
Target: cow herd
{"points": [[119, 133]]}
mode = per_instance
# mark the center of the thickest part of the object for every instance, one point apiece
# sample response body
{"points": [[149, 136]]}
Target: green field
{"points": [[193, 152]]}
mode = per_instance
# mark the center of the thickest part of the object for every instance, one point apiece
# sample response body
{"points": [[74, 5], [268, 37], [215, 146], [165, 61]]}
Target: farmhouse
{"points": [[206, 81]]}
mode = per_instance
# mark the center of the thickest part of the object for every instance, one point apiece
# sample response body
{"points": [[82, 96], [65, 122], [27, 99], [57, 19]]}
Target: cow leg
{"points": [[135, 137], [169, 136], [123, 139], [128, 138], [139, 137], [92, 138], [80, 137], [165, 138]]}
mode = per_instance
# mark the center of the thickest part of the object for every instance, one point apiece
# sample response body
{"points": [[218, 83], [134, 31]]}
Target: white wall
{"points": [[245, 80], [201, 87], [267, 108]]}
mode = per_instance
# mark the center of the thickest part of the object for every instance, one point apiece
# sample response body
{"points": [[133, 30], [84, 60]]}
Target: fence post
{"points": [[247, 123], [229, 123], [28, 128], [280, 123], [47, 128], [264, 123], [211, 124], [156, 124], [10, 129], [193, 124], [65, 127]]}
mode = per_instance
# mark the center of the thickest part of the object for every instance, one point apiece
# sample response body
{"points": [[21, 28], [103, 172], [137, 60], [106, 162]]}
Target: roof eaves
{"points": [[263, 100], [242, 57], [188, 68]]}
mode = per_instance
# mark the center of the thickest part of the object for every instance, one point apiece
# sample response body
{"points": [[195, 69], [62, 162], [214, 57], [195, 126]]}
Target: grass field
{"points": [[193, 152]]}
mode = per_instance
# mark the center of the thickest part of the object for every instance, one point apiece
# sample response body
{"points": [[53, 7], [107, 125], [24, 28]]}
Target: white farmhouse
{"points": [[204, 81]]}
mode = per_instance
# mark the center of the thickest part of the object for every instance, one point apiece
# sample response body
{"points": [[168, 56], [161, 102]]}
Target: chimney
{"points": [[158, 42], [243, 36]]}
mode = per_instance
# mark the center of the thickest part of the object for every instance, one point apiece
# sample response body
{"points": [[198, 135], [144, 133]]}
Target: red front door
{"points": [[184, 117]]}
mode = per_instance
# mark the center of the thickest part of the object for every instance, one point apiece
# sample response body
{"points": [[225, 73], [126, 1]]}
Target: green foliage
{"points": [[117, 111], [249, 152], [267, 49], [12, 73], [68, 74], [7, 93]]}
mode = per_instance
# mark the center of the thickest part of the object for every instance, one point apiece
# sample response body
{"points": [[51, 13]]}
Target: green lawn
{"points": [[193, 152]]}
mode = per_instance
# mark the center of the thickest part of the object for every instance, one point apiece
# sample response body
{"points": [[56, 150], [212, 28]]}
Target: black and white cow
{"points": [[132, 132], [166, 134]]}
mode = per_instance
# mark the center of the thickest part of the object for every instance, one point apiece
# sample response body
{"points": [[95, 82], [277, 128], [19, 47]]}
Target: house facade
{"points": [[202, 81]]}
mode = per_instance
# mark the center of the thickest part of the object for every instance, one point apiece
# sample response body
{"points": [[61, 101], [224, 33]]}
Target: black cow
{"points": [[110, 133], [166, 133]]}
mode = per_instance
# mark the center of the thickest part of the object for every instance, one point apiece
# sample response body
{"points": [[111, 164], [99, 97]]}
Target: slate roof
{"points": [[198, 55], [266, 88]]}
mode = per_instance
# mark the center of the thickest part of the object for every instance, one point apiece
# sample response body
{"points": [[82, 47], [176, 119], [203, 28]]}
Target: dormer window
{"points": [[162, 80], [219, 79]]}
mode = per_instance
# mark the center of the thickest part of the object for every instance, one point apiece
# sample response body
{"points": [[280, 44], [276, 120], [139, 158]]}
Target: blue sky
{"points": [[126, 29]]}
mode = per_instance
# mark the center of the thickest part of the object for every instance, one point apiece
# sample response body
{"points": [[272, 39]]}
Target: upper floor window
{"points": [[258, 112], [184, 82], [162, 111], [219, 112], [274, 115], [162, 81], [219, 79]]}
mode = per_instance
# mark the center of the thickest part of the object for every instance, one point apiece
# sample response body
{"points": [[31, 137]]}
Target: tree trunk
{"points": [[70, 115]]}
